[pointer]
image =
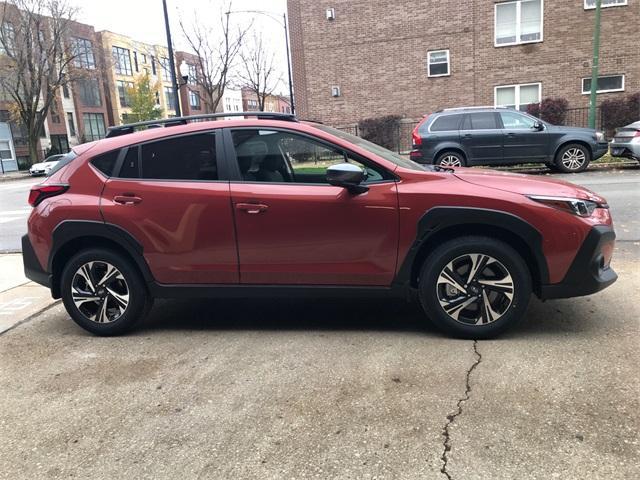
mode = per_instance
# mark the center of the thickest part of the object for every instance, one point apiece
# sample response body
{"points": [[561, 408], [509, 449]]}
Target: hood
{"points": [[525, 184], [44, 164]]}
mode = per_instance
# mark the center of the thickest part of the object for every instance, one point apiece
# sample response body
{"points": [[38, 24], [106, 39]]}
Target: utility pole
{"points": [[594, 67], [172, 61], [286, 39]]}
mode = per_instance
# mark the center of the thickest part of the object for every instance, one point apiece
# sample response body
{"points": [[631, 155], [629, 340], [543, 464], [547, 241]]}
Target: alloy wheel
{"points": [[573, 158], [450, 161], [100, 292], [475, 289]]}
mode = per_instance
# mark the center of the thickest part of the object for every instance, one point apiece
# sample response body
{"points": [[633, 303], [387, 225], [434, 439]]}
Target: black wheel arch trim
{"points": [[438, 219]]}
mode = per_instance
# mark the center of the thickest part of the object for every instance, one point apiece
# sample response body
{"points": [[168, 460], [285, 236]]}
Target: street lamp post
{"points": [[172, 63], [286, 40], [594, 67]]}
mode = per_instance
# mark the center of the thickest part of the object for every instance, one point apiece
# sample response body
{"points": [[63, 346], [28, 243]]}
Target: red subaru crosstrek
{"points": [[270, 205]]}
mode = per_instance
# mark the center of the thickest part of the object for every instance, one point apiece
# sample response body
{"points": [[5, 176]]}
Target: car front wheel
{"points": [[573, 158], [474, 287], [103, 292]]}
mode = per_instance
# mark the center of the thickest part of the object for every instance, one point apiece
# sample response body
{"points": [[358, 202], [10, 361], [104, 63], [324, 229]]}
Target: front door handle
{"points": [[252, 208], [467, 135], [127, 199]]}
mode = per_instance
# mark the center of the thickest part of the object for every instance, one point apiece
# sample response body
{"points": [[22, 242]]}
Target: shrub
{"points": [[619, 112], [381, 130], [552, 110]]}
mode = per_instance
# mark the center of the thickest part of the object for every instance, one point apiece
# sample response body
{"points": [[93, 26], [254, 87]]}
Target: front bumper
{"points": [[588, 273], [32, 268], [600, 150]]}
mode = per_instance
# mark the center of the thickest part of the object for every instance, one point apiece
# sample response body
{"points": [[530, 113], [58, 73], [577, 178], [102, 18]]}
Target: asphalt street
{"points": [[14, 211], [349, 389]]}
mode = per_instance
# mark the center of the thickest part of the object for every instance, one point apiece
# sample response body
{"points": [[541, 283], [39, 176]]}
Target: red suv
{"points": [[275, 206]]}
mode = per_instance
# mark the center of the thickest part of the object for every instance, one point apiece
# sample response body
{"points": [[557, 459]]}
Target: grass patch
{"points": [[310, 170]]}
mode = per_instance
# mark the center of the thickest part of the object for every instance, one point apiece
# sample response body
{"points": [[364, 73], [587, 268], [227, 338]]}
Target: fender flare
{"points": [[438, 219]]}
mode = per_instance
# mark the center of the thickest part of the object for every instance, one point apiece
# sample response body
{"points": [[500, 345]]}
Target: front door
{"points": [[481, 138], [295, 228], [168, 197], [522, 142]]}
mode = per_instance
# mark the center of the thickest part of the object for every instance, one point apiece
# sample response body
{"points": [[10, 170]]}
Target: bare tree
{"points": [[34, 56], [216, 50], [258, 72]]}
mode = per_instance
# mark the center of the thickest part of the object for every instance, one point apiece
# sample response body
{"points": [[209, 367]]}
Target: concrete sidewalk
{"points": [[20, 299]]}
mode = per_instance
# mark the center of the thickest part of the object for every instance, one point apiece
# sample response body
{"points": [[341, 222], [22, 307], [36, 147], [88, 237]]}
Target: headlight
{"points": [[600, 137], [574, 206]]}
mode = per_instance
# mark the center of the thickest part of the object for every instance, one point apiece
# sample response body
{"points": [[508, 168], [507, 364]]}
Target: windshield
{"points": [[373, 148]]}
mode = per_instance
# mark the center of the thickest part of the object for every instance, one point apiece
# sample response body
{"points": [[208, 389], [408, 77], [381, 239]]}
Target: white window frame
{"points": [[623, 4], [518, 22], [588, 92], [429, 63], [517, 87]]}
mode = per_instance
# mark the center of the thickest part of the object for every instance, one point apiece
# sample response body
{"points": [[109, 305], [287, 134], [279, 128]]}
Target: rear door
{"points": [[481, 137], [168, 195], [522, 142]]}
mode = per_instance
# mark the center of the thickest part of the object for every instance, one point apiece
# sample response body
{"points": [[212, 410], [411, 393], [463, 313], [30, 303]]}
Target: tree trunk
{"points": [[33, 149]]}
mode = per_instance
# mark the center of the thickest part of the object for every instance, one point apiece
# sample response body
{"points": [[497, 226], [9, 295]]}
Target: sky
{"points": [[143, 20]]}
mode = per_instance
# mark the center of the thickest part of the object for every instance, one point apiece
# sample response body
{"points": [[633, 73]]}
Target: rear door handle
{"points": [[252, 208], [127, 199], [467, 135]]}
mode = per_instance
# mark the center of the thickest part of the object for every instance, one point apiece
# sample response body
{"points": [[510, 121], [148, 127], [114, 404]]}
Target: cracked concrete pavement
{"points": [[317, 389]]}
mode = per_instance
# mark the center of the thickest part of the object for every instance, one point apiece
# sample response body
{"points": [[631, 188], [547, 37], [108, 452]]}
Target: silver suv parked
{"points": [[470, 136], [626, 143]]}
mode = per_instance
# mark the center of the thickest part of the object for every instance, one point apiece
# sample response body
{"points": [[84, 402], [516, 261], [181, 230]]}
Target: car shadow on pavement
{"points": [[542, 318]]}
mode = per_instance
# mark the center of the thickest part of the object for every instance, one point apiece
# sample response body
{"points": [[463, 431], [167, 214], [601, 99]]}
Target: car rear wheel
{"points": [[450, 159], [103, 292], [573, 158], [474, 287]]}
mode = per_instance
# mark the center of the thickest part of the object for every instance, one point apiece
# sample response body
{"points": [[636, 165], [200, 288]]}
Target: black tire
{"points": [[455, 251], [450, 159], [130, 282], [573, 158]]}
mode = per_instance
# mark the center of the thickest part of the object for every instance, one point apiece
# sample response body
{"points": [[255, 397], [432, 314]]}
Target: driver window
{"points": [[276, 156], [512, 120]]}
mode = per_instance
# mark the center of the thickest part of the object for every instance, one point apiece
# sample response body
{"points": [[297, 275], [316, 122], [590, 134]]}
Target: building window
{"points": [[89, 92], [609, 83], [193, 74], [72, 124], [65, 90], [169, 98], [123, 92], [166, 69], [438, 63], [518, 22], [153, 65], [122, 61], [589, 4], [7, 39], [194, 100], [144, 57], [135, 61], [93, 126], [82, 50], [518, 96]]}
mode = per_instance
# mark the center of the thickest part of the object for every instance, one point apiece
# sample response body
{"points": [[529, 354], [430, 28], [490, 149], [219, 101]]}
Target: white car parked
{"points": [[43, 168]]}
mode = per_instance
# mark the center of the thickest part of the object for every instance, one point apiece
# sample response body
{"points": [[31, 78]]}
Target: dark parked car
{"points": [[276, 206], [471, 136], [626, 142]]}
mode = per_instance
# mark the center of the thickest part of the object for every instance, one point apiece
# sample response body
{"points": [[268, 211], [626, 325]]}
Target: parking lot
{"points": [[334, 389]]}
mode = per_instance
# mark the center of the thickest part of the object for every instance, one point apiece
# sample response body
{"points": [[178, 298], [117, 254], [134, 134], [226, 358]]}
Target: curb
{"points": [[11, 178], [32, 316], [544, 168]]}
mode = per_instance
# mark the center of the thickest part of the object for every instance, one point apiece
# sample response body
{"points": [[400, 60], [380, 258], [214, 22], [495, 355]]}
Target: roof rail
{"points": [[470, 108], [119, 130]]}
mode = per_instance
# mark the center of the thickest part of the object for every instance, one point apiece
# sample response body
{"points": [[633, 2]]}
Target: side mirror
{"points": [[348, 176], [539, 126]]}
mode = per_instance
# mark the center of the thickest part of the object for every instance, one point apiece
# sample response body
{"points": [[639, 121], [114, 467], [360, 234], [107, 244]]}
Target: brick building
{"points": [[354, 59]]}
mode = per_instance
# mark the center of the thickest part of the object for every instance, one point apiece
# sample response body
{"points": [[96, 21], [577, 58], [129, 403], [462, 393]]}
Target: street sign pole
{"points": [[594, 67]]}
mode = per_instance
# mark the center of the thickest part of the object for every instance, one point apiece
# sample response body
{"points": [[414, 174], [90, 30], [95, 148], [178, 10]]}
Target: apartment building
{"points": [[355, 59], [272, 103]]}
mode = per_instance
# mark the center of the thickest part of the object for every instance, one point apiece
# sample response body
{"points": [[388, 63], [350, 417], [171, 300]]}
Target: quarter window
{"points": [[518, 97], [589, 4], [446, 123], [609, 83], [192, 157], [106, 162], [518, 22], [438, 63], [277, 157]]}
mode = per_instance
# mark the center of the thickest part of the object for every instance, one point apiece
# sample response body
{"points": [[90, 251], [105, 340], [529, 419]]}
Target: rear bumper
{"points": [[626, 150], [600, 150], [32, 268], [588, 273]]}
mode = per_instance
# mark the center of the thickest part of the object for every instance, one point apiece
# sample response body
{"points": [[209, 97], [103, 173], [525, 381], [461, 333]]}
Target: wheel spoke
{"points": [[487, 313], [504, 286], [80, 298], [108, 275], [85, 272], [121, 299], [478, 262], [448, 275], [455, 307], [102, 316]]}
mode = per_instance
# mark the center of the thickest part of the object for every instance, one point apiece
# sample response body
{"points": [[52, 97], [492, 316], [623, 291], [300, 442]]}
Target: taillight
{"points": [[415, 135], [40, 192]]}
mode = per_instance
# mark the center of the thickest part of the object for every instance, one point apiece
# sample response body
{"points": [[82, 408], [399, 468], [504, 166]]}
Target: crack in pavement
{"points": [[452, 416]]}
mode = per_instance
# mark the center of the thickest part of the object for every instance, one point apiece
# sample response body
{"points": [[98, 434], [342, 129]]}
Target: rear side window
{"points": [[446, 123], [130, 168], [480, 121], [106, 162], [192, 157]]}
